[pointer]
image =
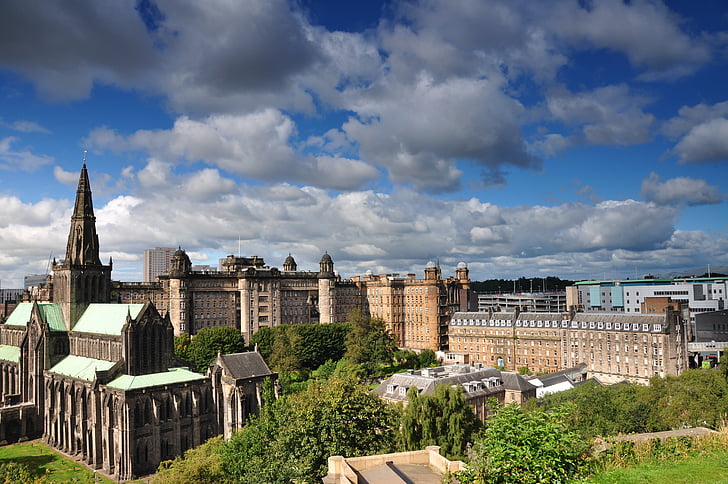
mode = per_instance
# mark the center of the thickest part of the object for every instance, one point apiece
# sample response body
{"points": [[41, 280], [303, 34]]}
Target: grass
{"points": [[42, 461], [710, 467]]}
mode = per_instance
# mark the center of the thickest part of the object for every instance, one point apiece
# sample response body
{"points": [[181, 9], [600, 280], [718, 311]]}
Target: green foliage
{"points": [[406, 358], [443, 418], [201, 465], [369, 342], [524, 370], [301, 346], [16, 473], [292, 438], [427, 359], [208, 342], [695, 398], [181, 346], [264, 338], [525, 447]]}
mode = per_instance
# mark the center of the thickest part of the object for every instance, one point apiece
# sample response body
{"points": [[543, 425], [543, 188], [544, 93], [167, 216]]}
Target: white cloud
{"points": [[418, 132], [647, 32], [22, 160], [705, 142], [256, 146], [680, 190], [605, 116]]}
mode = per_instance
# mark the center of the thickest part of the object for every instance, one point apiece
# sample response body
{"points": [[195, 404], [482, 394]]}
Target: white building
{"points": [[702, 294]]}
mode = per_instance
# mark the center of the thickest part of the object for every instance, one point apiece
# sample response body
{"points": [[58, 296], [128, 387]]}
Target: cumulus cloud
{"points": [[419, 132], [605, 116], [647, 32], [704, 143], [257, 146], [680, 191], [22, 160]]}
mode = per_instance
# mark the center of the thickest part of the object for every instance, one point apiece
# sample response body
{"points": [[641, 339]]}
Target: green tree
{"points": [[284, 358], [263, 339], [208, 342], [443, 418], [369, 341], [182, 345], [427, 359], [201, 465], [526, 447], [292, 438]]}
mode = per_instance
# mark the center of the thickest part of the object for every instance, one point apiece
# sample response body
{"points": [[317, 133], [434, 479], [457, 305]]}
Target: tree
{"points": [[263, 339], [525, 447], [292, 438], [181, 346], [208, 342], [427, 359], [202, 465], [283, 357], [369, 341], [443, 418]]}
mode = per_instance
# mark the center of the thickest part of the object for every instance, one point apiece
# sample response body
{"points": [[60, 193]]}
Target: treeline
{"points": [[522, 284], [696, 398]]}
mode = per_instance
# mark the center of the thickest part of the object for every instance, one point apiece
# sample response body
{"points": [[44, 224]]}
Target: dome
{"points": [[289, 260], [326, 258], [462, 265], [369, 273], [430, 265], [179, 253]]}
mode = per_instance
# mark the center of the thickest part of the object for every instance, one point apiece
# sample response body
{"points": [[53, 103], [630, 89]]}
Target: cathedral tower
{"points": [[81, 278]]}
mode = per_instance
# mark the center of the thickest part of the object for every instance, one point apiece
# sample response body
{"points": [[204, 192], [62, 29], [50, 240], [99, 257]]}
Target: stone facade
{"points": [[614, 346], [417, 311], [98, 380]]}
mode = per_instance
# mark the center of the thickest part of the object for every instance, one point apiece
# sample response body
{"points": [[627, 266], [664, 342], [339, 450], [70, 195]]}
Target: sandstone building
{"points": [[614, 346], [99, 380]]}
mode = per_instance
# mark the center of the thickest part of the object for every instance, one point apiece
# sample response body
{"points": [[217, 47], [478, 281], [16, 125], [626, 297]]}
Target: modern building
{"points": [[532, 302], [702, 294], [614, 346], [156, 262]]}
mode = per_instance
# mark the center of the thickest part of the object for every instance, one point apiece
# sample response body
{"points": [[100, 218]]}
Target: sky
{"points": [[581, 139]]}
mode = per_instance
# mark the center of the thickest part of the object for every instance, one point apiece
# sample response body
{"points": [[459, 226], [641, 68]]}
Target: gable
{"points": [[51, 314]]}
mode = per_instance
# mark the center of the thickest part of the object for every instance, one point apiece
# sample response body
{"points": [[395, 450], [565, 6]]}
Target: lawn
{"points": [[709, 467], [42, 461]]}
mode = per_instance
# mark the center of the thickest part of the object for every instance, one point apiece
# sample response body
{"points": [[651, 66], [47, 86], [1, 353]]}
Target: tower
{"points": [[81, 279]]}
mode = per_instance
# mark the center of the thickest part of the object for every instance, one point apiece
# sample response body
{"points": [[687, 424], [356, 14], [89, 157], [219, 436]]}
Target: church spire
{"points": [[83, 242]]}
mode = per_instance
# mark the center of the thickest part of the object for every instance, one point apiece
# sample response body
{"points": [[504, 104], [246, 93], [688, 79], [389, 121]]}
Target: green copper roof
{"points": [[106, 318], [51, 314], [174, 375], [80, 367], [10, 353]]}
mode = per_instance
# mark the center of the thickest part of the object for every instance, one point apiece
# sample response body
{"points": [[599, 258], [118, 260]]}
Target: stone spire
{"points": [[83, 242]]}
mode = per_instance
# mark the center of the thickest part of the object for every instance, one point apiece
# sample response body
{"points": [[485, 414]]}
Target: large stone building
{"points": [[417, 311], [614, 346], [99, 380]]}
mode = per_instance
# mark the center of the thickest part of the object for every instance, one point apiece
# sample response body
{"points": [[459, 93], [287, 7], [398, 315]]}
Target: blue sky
{"points": [[577, 139]]}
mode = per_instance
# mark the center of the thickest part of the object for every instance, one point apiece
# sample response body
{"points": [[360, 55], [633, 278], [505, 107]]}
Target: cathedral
{"points": [[99, 380]]}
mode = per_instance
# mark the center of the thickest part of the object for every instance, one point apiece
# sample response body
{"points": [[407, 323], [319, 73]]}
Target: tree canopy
{"points": [[208, 342], [443, 418], [292, 438], [369, 341], [525, 447]]}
